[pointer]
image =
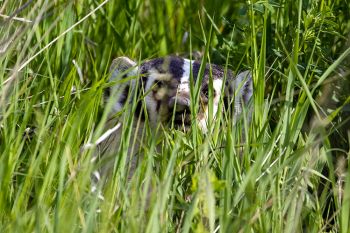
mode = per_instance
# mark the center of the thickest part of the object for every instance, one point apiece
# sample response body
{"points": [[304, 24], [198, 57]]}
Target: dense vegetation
{"points": [[287, 175]]}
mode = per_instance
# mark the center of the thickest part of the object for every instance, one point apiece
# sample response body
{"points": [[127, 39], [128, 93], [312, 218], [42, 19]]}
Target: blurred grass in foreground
{"points": [[290, 174]]}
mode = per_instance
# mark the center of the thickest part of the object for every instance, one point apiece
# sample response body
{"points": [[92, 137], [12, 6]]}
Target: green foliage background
{"points": [[290, 174]]}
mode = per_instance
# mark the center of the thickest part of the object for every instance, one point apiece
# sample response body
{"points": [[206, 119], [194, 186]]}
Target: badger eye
{"points": [[159, 84], [205, 91]]}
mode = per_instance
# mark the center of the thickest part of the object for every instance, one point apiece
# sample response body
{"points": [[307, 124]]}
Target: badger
{"points": [[165, 86], [165, 82]]}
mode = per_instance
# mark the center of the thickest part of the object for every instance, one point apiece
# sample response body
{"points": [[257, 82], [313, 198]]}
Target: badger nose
{"points": [[180, 103]]}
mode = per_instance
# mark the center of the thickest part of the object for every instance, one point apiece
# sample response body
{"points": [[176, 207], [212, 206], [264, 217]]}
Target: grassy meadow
{"points": [[288, 173]]}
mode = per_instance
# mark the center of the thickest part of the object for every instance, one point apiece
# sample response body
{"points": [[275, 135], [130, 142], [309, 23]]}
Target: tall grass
{"points": [[286, 170]]}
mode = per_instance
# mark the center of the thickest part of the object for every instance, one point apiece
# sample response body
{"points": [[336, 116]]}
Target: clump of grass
{"points": [[287, 173]]}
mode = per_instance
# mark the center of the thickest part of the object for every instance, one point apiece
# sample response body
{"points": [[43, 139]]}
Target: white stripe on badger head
{"points": [[187, 70], [184, 85], [217, 85]]}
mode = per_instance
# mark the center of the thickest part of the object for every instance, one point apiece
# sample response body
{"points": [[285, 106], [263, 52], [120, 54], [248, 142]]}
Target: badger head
{"points": [[165, 84]]}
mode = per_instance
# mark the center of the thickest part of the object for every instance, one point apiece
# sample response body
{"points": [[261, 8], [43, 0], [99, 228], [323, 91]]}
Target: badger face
{"points": [[165, 83]]}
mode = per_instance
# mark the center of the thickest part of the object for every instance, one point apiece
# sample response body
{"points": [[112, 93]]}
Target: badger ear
{"points": [[239, 90], [120, 65], [120, 68]]}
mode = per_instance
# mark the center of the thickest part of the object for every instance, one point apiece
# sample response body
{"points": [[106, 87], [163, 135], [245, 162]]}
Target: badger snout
{"points": [[180, 106], [181, 103]]}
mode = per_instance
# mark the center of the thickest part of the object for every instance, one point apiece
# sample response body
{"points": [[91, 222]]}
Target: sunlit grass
{"points": [[285, 170]]}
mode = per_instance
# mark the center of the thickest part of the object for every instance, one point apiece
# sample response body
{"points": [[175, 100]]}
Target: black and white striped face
{"points": [[165, 82]]}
